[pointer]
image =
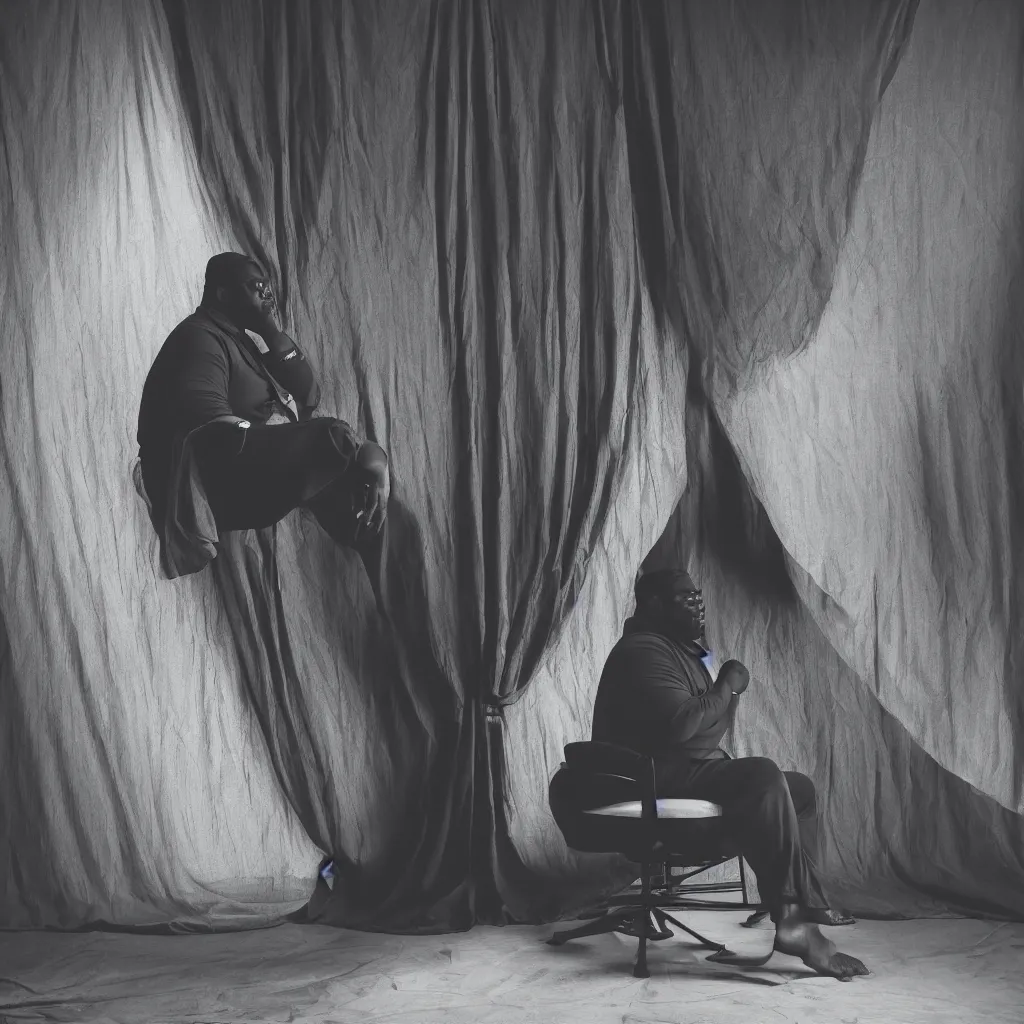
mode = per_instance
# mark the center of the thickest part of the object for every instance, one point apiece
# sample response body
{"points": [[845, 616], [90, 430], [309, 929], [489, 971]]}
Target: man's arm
{"points": [[288, 366], [666, 696], [198, 384], [372, 463], [713, 729], [734, 677]]}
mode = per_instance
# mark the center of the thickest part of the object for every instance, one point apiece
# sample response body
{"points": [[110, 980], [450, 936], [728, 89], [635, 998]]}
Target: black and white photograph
{"points": [[512, 511]]}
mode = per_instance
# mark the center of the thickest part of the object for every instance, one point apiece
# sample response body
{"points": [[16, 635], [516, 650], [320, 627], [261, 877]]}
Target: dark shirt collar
{"points": [[638, 624]]}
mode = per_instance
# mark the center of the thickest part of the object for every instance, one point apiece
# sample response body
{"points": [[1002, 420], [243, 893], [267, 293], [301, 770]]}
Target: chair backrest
{"points": [[596, 775], [574, 791], [607, 760]]}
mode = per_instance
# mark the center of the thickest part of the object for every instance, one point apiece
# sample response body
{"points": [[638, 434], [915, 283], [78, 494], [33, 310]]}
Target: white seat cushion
{"points": [[668, 808]]}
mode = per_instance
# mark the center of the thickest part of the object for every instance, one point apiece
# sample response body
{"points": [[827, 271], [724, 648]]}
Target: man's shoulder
{"points": [[640, 651], [646, 641], [637, 649], [197, 331]]}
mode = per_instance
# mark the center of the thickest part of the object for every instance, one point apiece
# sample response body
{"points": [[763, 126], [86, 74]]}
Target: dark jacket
{"points": [[209, 369], [656, 697]]}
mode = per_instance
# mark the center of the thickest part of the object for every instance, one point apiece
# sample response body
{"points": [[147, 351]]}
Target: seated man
{"points": [[242, 420], [656, 697]]}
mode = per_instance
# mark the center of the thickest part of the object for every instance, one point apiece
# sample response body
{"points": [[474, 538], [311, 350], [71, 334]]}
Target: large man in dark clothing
{"points": [[657, 697], [221, 417]]}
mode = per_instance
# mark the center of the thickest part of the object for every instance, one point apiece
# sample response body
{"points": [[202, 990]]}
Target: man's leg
{"points": [[760, 817], [805, 800], [817, 908], [255, 477], [334, 511]]}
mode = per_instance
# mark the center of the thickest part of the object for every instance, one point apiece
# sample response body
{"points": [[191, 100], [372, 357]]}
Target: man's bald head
{"points": [[663, 583], [238, 286], [228, 269]]}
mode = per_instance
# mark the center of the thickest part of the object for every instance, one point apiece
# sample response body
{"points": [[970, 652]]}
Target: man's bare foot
{"points": [[799, 939]]}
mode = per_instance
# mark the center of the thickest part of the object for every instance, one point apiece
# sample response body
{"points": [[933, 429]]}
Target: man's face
{"points": [[683, 611], [249, 300]]}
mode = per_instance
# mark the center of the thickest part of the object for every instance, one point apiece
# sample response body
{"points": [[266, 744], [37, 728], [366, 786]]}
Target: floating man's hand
{"points": [[370, 500], [372, 506]]}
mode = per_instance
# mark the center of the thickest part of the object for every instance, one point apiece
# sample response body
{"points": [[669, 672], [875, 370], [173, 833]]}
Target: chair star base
{"points": [[604, 800], [649, 924]]}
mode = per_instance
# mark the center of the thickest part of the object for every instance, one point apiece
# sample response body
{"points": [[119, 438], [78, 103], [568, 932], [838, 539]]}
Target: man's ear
{"points": [[219, 293]]}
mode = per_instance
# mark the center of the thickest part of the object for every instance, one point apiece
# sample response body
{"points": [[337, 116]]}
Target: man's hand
{"points": [[266, 318], [370, 499], [734, 675], [371, 505]]}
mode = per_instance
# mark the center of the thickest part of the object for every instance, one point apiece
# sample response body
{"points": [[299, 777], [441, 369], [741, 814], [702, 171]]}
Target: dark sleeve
{"points": [[718, 715], [199, 382], [722, 719], [667, 696], [713, 730], [288, 366]]}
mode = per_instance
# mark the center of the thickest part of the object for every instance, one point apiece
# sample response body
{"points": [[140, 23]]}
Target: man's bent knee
{"points": [[342, 439], [802, 790], [762, 774]]}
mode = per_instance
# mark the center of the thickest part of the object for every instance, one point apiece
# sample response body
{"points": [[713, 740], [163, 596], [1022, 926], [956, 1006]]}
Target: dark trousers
{"points": [[253, 478], [770, 815]]}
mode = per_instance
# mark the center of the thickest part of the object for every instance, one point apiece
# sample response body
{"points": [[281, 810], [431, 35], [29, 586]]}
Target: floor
{"points": [[924, 971]]}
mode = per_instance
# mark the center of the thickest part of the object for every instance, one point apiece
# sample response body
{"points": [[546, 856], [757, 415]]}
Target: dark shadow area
{"points": [[294, 52], [661, 960], [713, 270], [719, 515], [433, 738]]}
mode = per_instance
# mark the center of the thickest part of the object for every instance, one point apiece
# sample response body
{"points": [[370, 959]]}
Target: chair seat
{"points": [[667, 808]]}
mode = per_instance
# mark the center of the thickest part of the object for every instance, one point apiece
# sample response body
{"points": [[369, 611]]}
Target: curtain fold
{"points": [[852, 510], [534, 250], [897, 500], [135, 792], [748, 123], [513, 564]]}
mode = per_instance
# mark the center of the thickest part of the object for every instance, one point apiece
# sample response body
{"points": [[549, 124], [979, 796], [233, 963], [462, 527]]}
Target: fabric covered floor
{"points": [[925, 971]]}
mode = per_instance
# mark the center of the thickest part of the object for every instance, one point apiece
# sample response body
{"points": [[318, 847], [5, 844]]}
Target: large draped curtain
{"points": [[595, 275]]}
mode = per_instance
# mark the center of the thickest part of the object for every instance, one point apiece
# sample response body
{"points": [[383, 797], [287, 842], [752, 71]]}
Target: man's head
{"points": [[239, 287], [671, 600]]}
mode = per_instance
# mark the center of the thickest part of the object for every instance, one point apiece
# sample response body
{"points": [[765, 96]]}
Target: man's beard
{"points": [[691, 632]]}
